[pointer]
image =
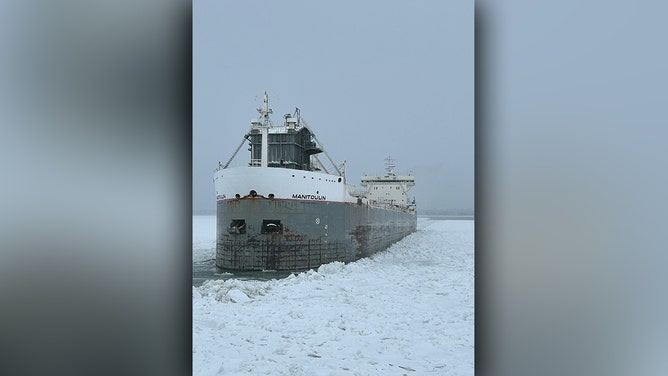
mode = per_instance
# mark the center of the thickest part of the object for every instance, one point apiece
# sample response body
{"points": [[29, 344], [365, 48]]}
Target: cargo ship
{"points": [[285, 210]]}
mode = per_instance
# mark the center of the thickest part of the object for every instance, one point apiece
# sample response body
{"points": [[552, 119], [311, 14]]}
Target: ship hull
{"points": [[258, 233]]}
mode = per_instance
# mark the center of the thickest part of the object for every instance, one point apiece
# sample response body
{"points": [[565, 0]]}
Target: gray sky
{"points": [[372, 79]]}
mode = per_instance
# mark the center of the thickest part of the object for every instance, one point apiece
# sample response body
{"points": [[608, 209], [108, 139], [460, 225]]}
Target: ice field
{"points": [[407, 310]]}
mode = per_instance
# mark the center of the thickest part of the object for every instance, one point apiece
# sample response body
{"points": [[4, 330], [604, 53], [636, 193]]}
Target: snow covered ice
{"points": [[407, 310]]}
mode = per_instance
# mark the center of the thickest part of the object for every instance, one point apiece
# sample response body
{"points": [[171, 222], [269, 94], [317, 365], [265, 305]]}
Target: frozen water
{"points": [[204, 238], [407, 310]]}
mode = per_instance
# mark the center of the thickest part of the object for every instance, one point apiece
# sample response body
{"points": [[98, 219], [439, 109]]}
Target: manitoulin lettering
{"points": [[309, 197]]}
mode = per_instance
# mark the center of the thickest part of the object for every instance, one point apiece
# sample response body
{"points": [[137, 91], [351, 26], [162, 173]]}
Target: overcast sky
{"points": [[372, 79]]}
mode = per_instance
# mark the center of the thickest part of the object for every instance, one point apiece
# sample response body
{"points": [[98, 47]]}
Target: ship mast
{"points": [[265, 111], [264, 129], [389, 165]]}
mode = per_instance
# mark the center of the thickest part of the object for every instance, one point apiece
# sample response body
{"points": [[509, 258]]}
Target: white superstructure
{"points": [[389, 189], [284, 164]]}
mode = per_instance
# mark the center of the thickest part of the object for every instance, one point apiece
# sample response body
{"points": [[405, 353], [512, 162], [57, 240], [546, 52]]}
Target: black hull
{"points": [[267, 234]]}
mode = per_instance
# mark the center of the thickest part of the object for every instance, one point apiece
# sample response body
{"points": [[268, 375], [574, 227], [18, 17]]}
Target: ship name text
{"points": [[309, 197]]}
